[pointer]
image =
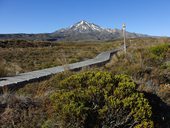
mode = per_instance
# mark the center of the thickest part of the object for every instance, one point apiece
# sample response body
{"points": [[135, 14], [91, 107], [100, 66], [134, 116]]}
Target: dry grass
{"points": [[151, 77], [33, 58], [134, 64], [164, 93], [148, 70]]}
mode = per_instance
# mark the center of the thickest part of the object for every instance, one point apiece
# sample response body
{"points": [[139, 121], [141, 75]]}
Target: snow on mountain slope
{"points": [[83, 27]]}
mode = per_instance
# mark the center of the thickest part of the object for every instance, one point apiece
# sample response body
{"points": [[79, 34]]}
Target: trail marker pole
{"points": [[124, 36]]}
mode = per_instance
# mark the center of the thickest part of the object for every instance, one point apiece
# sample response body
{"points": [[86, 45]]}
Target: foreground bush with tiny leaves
{"points": [[99, 100]]}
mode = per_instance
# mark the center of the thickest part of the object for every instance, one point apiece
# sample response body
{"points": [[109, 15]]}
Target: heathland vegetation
{"points": [[131, 90], [17, 58]]}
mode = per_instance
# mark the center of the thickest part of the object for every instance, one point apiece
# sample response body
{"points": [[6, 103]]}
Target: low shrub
{"points": [[159, 52], [99, 99]]}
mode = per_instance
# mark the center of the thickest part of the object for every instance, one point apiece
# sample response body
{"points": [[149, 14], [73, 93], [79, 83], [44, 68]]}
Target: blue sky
{"points": [[39, 16]]}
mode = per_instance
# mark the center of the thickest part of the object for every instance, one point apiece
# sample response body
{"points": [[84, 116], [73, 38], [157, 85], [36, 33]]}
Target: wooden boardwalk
{"points": [[28, 77]]}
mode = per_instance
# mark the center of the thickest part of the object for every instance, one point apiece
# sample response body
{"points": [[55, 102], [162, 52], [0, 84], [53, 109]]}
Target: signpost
{"points": [[124, 36]]}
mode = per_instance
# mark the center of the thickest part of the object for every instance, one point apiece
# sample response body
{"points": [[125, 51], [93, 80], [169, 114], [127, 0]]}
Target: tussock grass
{"points": [[139, 63], [34, 58]]}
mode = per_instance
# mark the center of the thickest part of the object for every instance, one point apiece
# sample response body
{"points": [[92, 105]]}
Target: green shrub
{"points": [[99, 99], [145, 124], [48, 124], [158, 52], [166, 65]]}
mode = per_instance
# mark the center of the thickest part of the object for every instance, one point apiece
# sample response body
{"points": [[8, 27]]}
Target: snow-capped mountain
{"points": [[82, 30], [85, 27], [81, 27]]}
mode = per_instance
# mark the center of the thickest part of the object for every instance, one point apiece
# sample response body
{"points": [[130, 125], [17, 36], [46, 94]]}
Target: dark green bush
{"points": [[99, 99]]}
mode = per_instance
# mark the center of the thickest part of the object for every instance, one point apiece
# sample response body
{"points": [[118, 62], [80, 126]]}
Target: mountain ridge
{"points": [[81, 30]]}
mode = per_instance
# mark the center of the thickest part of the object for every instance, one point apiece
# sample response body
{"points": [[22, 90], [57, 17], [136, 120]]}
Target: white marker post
{"points": [[124, 36]]}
